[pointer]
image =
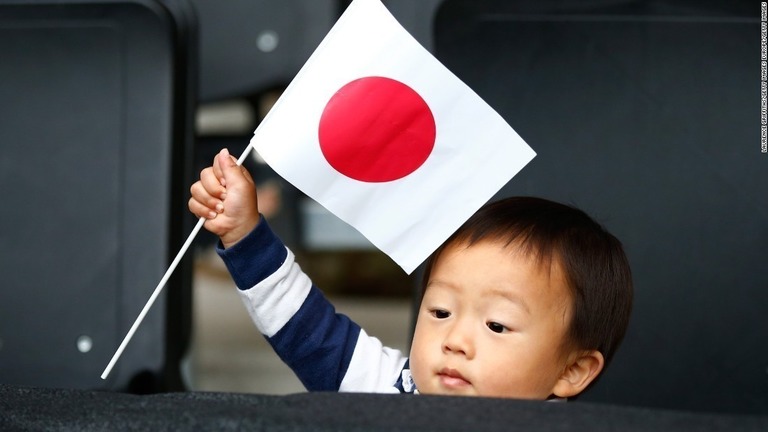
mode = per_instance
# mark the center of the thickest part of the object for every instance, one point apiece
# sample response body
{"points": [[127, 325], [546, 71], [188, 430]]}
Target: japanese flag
{"points": [[381, 134]]}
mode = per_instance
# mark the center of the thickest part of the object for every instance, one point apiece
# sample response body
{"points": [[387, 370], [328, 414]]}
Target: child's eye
{"points": [[496, 327], [440, 314]]}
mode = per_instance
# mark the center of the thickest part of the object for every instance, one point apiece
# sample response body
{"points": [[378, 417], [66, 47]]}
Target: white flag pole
{"points": [[163, 281]]}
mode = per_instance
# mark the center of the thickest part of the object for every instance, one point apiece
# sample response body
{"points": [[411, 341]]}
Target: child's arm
{"points": [[326, 350]]}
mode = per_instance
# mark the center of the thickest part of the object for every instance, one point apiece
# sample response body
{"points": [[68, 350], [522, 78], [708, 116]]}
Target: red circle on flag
{"points": [[376, 129]]}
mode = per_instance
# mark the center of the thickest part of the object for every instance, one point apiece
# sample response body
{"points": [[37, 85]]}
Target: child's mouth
{"points": [[452, 378]]}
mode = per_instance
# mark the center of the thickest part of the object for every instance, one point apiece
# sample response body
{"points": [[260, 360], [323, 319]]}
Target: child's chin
{"points": [[451, 391]]}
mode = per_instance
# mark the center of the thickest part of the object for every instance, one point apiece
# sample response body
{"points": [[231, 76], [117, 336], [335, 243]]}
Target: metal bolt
{"points": [[267, 41], [84, 344]]}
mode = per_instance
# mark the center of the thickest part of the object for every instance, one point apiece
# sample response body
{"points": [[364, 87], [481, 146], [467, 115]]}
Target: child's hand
{"points": [[226, 196]]}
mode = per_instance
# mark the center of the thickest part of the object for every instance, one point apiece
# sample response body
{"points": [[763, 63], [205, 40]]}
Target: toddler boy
{"points": [[528, 299]]}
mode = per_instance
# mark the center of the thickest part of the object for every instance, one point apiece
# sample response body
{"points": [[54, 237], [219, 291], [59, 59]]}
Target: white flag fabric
{"points": [[380, 133]]}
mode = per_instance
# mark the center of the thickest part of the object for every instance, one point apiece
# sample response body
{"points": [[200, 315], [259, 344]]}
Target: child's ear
{"points": [[583, 367]]}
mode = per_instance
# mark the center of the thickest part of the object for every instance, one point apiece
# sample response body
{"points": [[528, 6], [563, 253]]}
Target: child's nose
{"points": [[459, 340]]}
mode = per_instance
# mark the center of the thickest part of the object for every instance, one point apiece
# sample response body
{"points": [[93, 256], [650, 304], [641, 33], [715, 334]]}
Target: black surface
{"points": [[96, 101], [231, 63], [51, 409]]}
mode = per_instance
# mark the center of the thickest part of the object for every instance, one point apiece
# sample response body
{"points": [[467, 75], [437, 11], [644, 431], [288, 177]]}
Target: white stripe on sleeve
{"points": [[273, 301], [374, 368]]}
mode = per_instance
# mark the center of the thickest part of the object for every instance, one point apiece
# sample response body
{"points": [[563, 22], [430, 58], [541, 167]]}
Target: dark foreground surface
{"points": [[23, 408]]}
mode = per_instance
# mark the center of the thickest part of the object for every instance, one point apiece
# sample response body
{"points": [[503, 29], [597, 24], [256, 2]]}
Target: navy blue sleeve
{"points": [[256, 256], [317, 343]]}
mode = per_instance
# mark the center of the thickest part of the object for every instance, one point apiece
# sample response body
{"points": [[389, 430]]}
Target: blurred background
{"points": [[644, 113]]}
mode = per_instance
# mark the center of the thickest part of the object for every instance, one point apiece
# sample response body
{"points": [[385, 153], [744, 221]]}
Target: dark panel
{"points": [[646, 115], [93, 142], [248, 46]]}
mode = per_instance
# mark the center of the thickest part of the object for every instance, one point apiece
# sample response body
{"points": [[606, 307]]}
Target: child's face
{"points": [[491, 323]]}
